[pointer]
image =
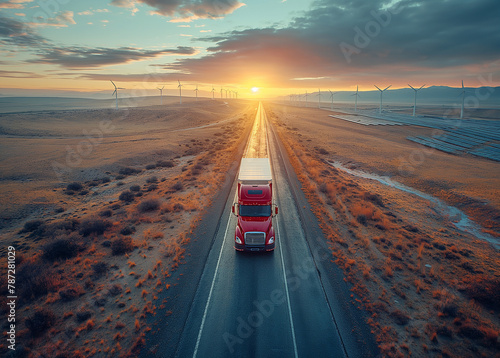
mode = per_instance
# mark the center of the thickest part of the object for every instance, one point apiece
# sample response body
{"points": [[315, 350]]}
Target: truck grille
{"points": [[255, 238]]}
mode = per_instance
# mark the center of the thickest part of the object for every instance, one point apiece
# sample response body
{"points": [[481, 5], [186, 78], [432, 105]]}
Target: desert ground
{"points": [[100, 205], [429, 284]]}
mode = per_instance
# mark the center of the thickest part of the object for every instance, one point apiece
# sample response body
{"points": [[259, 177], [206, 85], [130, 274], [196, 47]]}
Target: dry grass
{"points": [[397, 260], [134, 230]]}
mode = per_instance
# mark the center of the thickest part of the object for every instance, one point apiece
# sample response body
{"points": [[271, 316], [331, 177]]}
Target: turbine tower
{"points": [[116, 93], [180, 91], [213, 92], [463, 101], [381, 93], [415, 104], [319, 98], [221, 92], [236, 93], [161, 94], [306, 99], [356, 100], [331, 97], [226, 93], [196, 90]]}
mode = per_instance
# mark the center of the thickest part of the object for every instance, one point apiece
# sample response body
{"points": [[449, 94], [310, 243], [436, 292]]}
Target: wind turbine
{"points": [[319, 98], [161, 94], [226, 93], [116, 93], [415, 104], [196, 90], [213, 92], [236, 93], [463, 100], [306, 99], [180, 91], [381, 92], [356, 100], [331, 97], [221, 92]]}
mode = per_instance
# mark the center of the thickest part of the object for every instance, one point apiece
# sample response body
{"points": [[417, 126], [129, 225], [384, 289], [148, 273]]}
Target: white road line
{"points": [[296, 355], [280, 243], [211, 290]]}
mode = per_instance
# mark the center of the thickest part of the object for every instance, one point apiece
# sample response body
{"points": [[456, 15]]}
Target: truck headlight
{"points": [[238, 240], [271, 240]]}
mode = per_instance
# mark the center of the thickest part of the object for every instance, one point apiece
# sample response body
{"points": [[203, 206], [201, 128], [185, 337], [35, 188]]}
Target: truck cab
{"points": [[255, 209]]}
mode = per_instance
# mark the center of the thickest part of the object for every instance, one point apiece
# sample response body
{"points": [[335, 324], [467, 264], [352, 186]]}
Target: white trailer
{"points": [[255, 171]]}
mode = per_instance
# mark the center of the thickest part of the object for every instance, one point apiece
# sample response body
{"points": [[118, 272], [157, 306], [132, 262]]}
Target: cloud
{"points": [[62, 19], [19, 74], [92, 12], [13, 4], [14, 32], [186, 10], [137, 77], [85, 57], [8, 5], [343, 40]]}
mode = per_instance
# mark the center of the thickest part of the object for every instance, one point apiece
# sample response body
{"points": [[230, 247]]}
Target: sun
{"points": [[255, 89]]}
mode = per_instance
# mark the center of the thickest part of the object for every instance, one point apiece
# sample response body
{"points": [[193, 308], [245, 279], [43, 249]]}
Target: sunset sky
{"points": [[280, 46]]}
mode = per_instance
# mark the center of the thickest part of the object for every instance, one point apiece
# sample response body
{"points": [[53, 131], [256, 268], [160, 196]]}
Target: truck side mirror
{"points": [[234, 209], [275, 210]]}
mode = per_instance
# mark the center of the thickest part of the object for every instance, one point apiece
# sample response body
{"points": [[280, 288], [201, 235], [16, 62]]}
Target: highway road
{"points": [[292, 302]]}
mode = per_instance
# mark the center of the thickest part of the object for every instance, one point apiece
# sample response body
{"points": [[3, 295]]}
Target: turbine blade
{"points": [[378, 88], [113, 84], [412, 87], [421, 87], [387, 87]]}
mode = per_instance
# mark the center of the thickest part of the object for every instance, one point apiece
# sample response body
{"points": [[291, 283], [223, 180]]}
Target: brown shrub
{"points": [[148, 205], [72, 292], [40, 322], [374, 198], [178, 186], [115, 290], [60, 249], [34, 280], [122, 245], [485, 291], [94, 226], [126, 196]]}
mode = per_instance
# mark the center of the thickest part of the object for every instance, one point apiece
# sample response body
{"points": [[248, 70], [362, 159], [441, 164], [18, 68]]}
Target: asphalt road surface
{"points": [[292, 302]]}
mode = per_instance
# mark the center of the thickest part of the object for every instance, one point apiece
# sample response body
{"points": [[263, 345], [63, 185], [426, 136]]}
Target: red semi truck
{"points": [[255, 209]]}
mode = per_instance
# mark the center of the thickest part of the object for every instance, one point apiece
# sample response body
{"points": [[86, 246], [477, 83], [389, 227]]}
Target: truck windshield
{"points": [[255, 210]]}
